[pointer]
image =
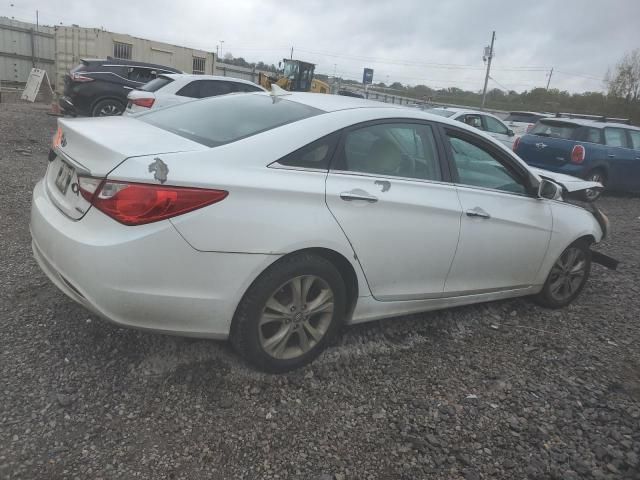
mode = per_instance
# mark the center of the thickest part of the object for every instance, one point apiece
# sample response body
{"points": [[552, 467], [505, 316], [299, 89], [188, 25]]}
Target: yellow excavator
{"points": [[296, 76]]}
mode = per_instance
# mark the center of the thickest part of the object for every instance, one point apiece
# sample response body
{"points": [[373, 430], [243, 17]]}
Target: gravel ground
{"points": [[500, 390]]}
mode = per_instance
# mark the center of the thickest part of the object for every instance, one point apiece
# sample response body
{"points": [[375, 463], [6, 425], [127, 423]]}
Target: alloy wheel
{"points": [[108, 110], [568, 274], [296, 317]]}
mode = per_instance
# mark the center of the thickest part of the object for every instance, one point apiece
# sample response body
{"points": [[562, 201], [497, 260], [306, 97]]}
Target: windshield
{"points": [[156, 84], [523, 117], [219, 120], [440, 111], [554, 129]]}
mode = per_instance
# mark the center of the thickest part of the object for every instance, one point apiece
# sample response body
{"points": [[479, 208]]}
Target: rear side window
{"points": [[316, 155], [191, 90], [243, 87], [635, 139], [212, 88], [495, 126], [615, 137], [554, 129], [156, 84], [220, 120]]}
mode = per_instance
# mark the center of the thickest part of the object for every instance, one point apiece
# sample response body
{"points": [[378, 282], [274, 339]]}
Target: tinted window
{"points": [[391, 149], [315, 155], [156, 84], [554, 129], [244, 87], [140, 75], [440, 111], [191, 90], [522, 117], [615, 137], [495, 126], [225, 119], [635, 139], [213, 88], [479, 168]]}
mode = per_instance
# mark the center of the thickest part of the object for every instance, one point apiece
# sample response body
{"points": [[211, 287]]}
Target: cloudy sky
{"points": [[434, 42]]}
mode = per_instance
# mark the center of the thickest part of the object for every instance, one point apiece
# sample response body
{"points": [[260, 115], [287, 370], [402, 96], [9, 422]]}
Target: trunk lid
{"points": [[95, 146]]}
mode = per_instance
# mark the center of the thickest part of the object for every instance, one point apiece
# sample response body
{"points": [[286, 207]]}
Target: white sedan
{"points": [[172, 89], [273, 220], [481, 120]]}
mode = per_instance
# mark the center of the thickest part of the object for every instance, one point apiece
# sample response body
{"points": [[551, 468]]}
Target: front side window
{"points": [[478, 167], [472, 120], [391, 149], [495, 126], [615, 137]]}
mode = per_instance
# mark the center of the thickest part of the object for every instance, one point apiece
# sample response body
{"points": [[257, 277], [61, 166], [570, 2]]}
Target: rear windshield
{"points": [[440, 111], [523, 117], [80, 67], [555, 129], [156, 84], [224, 119]]}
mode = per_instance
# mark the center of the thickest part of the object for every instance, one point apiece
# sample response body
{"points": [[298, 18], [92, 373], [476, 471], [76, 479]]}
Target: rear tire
{"points": [[567, 277], [290, 313], [107, 108], [596, 175]]}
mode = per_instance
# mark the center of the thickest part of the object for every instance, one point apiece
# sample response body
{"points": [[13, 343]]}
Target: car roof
{"points": [[190, 76], [460, 110], [521, 112], [130, 63], [589, 123]]}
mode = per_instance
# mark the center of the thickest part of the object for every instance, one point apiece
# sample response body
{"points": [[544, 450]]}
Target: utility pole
{"points": [[291, 53], [486, 78], [549, 80]]}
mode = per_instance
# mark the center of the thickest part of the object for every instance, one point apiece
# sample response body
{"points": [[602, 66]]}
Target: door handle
{"points": [[477, 212], [358, 195], [611, 156]]}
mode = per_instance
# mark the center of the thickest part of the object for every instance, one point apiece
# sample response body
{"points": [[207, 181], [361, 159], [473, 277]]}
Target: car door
{"points": [[497, 130], [634, 140], [505, 230], [621, 157], [388, 190]]}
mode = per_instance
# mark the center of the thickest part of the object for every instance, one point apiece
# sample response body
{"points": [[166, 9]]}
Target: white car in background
{"points": [[273, 220], [481, 120], [166, 90], [522, 122]]}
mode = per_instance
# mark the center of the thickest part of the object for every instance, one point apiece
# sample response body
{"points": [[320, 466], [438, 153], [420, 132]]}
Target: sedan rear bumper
{"points": [[146, 277]]}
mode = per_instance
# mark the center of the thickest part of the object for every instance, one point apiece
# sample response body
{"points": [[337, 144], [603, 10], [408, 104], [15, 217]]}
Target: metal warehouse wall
{"points": [[22, 47], [58, 49]]}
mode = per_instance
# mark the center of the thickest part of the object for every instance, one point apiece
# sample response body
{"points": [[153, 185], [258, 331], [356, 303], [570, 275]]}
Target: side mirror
{"points": [[511, 133], [549, 190]]}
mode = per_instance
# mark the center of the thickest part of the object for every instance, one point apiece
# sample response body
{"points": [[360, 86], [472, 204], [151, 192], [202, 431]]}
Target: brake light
{"points": [[78, 77], [577, 154], [143, 102], [141, 203], [516, 144], [57, 139]]}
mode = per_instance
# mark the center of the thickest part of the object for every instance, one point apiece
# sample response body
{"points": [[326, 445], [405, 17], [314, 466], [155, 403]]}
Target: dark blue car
{"points": [[600, 151]]}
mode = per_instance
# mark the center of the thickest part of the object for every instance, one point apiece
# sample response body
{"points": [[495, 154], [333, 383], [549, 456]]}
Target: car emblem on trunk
{"points": [[159, 169], [541, 145]]}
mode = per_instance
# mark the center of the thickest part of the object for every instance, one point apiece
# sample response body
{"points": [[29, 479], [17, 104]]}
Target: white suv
{"points": [[168, 90]]}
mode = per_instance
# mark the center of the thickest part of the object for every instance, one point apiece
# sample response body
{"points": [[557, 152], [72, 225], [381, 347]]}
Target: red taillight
{"points": [[78, 77], [577, 154], [140, 203], [516, 143], [143, 102]]}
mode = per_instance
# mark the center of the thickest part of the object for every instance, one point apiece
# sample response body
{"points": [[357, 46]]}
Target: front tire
{"points": [[597, 175], [107, 108], [290, 313], [567, 277]]}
